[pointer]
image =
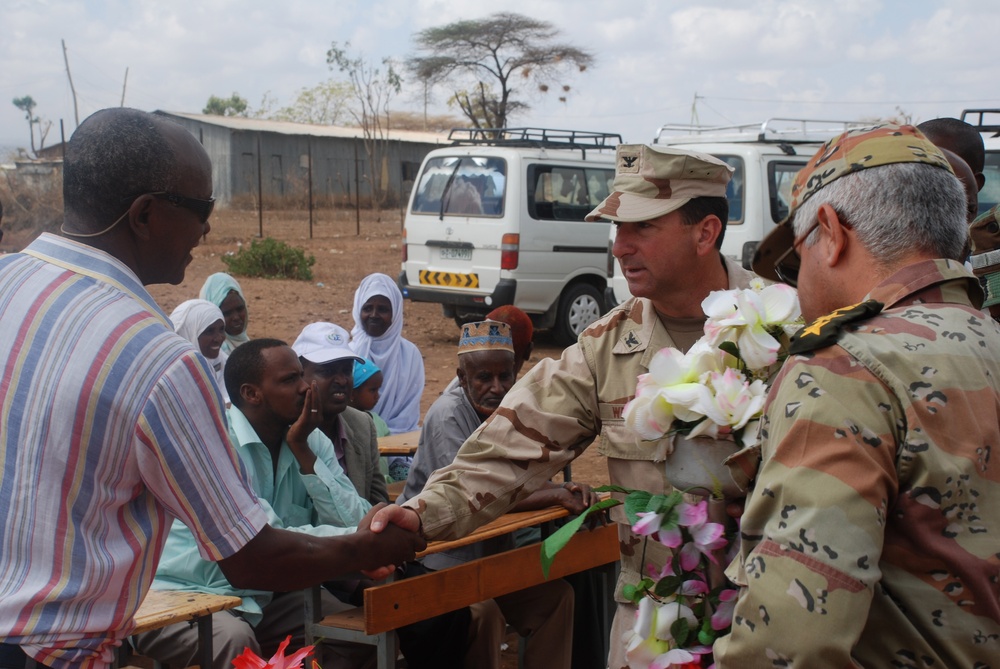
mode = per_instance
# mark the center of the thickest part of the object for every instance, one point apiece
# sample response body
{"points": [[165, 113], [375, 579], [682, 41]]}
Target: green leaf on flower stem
{"points": [[558, 539], [667, 586], [636, 503], [706, 637], [732, 349], [680, 630], [613, 488]]}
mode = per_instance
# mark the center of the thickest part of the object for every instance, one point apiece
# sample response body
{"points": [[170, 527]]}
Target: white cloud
{"points": [[748, 60]]}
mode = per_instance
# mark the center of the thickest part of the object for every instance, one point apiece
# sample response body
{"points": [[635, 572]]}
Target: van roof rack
{"points": [[542, 138], [980, 125], [775, 130]]}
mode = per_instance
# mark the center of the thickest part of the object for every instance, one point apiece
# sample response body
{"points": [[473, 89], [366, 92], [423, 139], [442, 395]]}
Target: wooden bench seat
{"points": [[168, 607]]}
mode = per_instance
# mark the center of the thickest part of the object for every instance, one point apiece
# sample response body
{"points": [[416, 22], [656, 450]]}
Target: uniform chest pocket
{"points": [[616, 440]]}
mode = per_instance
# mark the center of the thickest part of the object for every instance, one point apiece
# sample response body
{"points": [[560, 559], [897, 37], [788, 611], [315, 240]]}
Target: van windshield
{"points": [[461, 186]]}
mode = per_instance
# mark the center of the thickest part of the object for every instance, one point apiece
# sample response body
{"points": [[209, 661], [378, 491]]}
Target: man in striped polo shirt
{"points": [[111, 425]]}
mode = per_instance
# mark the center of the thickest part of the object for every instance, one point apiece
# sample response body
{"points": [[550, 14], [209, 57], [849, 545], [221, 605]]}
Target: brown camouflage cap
{"points": [[849, 152], [651, 181]]}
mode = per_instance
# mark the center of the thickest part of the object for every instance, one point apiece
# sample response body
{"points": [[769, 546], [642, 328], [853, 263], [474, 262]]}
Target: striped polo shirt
{"points": [[111, 425]]}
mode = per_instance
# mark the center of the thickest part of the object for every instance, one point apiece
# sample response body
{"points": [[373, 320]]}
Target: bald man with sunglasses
{"points": [[112, 425]]}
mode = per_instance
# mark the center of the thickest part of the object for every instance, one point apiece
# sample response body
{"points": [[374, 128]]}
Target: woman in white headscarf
{"points": [[202, 324], [378, 336], [224, 291]]}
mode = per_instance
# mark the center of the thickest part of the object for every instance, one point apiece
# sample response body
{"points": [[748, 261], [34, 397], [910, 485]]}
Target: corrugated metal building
{"points": [[251, 156]]}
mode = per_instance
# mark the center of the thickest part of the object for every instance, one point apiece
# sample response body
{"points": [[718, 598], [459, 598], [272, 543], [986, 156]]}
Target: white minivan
{"points": [[498, 218], [765, 157]]}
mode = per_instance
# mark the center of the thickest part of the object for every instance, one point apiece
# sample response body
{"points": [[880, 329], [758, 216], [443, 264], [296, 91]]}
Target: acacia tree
{"points": [[27, 104], [483, 59], [234, 105], [373, 88]]}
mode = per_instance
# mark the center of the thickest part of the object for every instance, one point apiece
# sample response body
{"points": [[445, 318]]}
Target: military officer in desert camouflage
{"points": [[872, 533], [670, 210]]}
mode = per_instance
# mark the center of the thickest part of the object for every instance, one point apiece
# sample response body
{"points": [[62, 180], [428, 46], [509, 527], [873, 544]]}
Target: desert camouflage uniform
{"points": [[871, 537], [548, 418]]}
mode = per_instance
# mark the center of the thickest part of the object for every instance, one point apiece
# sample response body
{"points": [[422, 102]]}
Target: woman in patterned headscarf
{"points": [[223, 291]]}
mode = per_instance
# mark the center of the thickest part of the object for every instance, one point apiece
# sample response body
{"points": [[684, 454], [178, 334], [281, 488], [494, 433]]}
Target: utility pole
{"points": [[76, 111], [694, 110], [124, 84]]}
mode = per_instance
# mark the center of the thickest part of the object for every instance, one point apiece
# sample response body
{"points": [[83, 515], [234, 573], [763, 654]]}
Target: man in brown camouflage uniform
{"points": [[872, 533], [670, 210]]}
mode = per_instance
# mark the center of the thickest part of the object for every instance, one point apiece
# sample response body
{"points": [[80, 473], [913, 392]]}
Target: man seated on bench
{"points": [[292, 467], [545, 612], [328, 362]]}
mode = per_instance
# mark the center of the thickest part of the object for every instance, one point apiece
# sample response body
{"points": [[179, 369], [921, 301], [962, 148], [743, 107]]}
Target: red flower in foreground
{"points": [[250, 660]]}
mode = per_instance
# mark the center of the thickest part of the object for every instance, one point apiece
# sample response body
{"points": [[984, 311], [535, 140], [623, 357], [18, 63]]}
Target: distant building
{"points": [[253, 156]]}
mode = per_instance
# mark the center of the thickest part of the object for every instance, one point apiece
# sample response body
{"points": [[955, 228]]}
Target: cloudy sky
{"points": [[744, 60]]}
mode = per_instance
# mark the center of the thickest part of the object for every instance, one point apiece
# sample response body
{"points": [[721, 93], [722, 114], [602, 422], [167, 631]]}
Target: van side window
{"points": [[461, 186], [735, 189], [780, 176], [558, 193]]}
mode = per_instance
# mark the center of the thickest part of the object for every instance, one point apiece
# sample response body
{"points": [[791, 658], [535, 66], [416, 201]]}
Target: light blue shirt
{"points": [[322, 504]]}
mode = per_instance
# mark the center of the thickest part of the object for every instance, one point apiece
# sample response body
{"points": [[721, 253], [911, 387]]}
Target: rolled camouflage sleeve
{"points": [[546, 420], [813, 531]]}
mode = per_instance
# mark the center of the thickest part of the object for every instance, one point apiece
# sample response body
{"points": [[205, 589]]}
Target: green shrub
{"points": [[271, 259]]}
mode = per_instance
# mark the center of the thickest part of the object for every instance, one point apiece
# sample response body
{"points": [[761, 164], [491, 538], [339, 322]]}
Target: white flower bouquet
{"points": [[717, 389]]}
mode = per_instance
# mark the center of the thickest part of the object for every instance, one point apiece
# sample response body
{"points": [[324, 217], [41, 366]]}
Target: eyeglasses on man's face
{"points": [[788, 263], [201, 208]]}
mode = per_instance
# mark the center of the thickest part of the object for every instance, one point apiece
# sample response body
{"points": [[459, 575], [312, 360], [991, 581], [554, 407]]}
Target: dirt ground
{"points": [[280, 308]]}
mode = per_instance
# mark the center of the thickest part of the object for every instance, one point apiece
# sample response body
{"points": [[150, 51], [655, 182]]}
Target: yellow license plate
{"points": [[448, 279]]}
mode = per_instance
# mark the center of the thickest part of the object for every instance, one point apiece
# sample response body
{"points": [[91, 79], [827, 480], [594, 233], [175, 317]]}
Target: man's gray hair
{"points": [[896, 209]]}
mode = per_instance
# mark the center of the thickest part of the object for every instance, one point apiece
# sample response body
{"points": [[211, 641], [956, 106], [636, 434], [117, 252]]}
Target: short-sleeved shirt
{"points": [[872, 534], [322, 504], [110, 427]]}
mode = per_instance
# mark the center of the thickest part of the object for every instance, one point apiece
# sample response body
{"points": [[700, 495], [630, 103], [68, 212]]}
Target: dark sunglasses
{"points": [[788, 263], [202, 208]]}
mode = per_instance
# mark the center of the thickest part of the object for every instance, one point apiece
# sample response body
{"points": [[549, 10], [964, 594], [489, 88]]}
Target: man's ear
{"points": [[138, 216], [980, 180], [251, 394], [834, 241], [708, 230], [460, 373]]}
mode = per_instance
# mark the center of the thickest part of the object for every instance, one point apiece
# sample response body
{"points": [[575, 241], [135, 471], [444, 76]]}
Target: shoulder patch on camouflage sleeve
{"points": [[825, 331]]}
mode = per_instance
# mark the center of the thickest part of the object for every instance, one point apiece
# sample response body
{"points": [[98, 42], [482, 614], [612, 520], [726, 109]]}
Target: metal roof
{"points": [[289, 128]]}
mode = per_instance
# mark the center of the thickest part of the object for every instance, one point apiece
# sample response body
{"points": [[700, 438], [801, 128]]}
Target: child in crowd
{"points": [[367, 381]]}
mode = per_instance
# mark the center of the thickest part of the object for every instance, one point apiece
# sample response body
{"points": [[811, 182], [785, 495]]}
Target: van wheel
{"points": [[579, 306]]}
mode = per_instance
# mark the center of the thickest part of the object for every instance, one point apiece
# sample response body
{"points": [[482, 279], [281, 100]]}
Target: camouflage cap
{"points": [[849, 152], [651, 181], [485, 336]]}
